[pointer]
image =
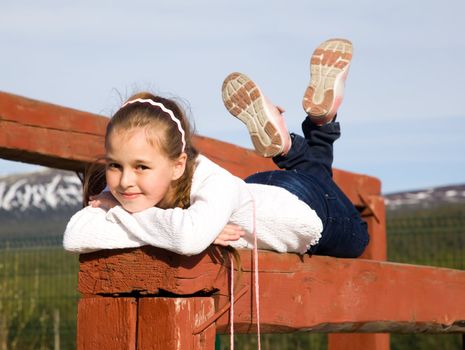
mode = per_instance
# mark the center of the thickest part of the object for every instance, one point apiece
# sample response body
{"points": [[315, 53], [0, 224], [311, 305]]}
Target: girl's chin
{"points": [[135, 208]]}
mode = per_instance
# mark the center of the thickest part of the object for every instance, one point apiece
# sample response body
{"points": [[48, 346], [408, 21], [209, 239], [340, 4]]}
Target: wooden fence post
{"points": [[169, 323], [106, 323], [376, 250]]}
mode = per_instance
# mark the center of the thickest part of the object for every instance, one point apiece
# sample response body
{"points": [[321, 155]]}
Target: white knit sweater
{"points": [[283, 222]]}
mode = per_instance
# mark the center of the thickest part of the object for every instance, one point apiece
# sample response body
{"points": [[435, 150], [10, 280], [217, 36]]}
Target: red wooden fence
{"points": [[149, 298]]}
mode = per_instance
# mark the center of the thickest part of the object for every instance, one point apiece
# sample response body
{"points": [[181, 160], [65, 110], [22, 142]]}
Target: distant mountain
{"points": [[426, 198], [38, 204], [41, 203], [40, 191]]}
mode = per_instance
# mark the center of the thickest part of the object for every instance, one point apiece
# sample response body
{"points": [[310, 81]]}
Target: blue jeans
{"points": [[309, 176]]}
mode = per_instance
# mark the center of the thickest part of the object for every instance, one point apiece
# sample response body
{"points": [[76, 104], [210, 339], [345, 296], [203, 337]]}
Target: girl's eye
{"points": [[142, 167], [113, 166]]}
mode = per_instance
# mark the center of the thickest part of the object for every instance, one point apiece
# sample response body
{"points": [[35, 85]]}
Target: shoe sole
{"points": [[243, 99], [329, 61]]}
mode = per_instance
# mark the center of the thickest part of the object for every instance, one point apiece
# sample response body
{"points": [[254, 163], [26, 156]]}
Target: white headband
{"points": [[164, 109]]}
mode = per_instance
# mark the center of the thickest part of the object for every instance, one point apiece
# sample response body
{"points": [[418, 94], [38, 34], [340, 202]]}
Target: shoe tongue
{"points": [[271, 107]]}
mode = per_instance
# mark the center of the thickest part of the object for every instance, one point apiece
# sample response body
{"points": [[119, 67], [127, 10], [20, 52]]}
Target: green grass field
{"points": [[38, 304]]}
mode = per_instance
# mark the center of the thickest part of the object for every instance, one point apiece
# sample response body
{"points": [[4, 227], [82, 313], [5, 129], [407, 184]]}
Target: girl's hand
{"points": [[104, 200], [230, 233]]}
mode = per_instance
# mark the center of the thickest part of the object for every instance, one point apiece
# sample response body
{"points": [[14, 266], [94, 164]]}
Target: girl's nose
{"points": [[127, 179]]}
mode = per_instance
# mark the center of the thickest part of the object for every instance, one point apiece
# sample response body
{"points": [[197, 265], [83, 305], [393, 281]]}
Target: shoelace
{"points": [[231, 309], [256, 285]]}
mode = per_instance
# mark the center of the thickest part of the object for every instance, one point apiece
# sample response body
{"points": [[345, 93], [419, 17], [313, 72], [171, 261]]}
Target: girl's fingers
{"points": [[234, 228], [94, 203], [230, 233], [229, 236], [237, 233], [221, 242]]}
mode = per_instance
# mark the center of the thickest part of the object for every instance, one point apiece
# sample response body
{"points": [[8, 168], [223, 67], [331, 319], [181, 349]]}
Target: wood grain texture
{"points": [[168, 323], [312, 293], [375, 216], [377, 341], [106, 323]]}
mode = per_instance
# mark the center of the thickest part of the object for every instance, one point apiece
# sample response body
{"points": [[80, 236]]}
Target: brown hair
{"points": [[169, 140]]}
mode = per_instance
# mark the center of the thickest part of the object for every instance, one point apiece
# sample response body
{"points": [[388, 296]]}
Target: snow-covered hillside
{"points": [[426, 198], [50, 189]]}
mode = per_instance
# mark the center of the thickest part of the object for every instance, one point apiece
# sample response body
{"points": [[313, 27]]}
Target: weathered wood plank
{"points": [[111, 271], [168, 323], [314, 293], [62, 149], [376, 250], [349, 341], [45, 134], [107, 323]]}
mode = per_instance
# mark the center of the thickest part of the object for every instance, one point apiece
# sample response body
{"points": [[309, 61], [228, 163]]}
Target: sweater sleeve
{"points": [[185, 231], [88, 230]]}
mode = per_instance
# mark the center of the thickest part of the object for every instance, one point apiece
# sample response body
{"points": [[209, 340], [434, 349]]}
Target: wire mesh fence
{"points": [[435, 239], [431, 237], [38, 283], [38, 302]]}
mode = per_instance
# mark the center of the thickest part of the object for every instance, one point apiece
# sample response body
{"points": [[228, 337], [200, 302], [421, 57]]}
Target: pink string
{"points": [[256, 289], [256, 281], [231, 309]]}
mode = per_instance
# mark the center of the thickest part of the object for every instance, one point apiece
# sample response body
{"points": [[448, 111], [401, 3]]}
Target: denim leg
{"points": [[309, 177], [314, 153], [344, 233]]}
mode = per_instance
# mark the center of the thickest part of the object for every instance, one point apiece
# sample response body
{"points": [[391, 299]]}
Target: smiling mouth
{"points": [[129, 195]]}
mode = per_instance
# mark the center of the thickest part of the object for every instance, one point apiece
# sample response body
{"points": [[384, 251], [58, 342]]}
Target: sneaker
{"points": [[329, 66], [267, 129]]}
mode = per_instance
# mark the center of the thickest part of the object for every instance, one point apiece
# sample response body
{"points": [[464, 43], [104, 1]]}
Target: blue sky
{"points": [[403, 119]]}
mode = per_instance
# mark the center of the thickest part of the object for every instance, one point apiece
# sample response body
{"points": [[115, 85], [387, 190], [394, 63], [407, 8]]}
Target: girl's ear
{"points": [[179, 165]]}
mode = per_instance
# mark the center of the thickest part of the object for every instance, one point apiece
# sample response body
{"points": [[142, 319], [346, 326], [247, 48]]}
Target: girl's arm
{"points": [[184, 231], [89, 230]]}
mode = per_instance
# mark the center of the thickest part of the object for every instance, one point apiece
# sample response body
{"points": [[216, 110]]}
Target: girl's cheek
{"points": [[111, 182]]}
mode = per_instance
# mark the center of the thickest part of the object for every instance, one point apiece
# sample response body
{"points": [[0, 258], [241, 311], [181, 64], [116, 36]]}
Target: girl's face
{"points": [[138, 174]]}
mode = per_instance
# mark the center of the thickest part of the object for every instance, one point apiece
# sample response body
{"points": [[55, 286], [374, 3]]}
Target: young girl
{"points": [[163, 193]]}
